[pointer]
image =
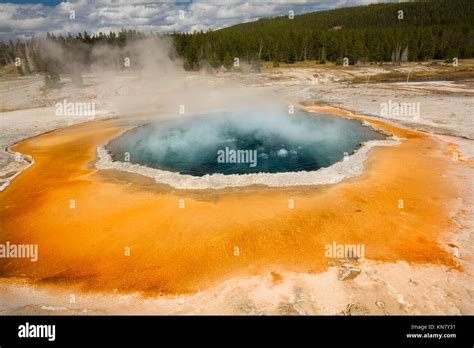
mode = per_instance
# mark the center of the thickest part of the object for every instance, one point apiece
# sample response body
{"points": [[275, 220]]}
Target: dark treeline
{"points": [[436, 29], [39, 54]]}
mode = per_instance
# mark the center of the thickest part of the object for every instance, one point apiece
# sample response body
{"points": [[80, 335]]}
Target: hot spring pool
{"points": [[242, 143]]}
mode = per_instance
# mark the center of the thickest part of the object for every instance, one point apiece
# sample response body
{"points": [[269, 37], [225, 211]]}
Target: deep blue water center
{"points": [[206, 144]]}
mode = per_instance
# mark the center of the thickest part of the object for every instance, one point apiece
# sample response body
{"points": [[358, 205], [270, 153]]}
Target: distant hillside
{"points": [[437, 29], [385, 15]]}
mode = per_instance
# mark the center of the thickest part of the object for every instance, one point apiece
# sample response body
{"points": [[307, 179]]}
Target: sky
{"points": [[24, 18]]}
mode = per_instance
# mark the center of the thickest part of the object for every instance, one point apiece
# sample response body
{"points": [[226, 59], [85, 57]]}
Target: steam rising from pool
{"points": [[242, 142]]}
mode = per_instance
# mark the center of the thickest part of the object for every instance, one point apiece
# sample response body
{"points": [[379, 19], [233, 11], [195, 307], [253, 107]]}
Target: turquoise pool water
{"points": [[242, 142]]}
